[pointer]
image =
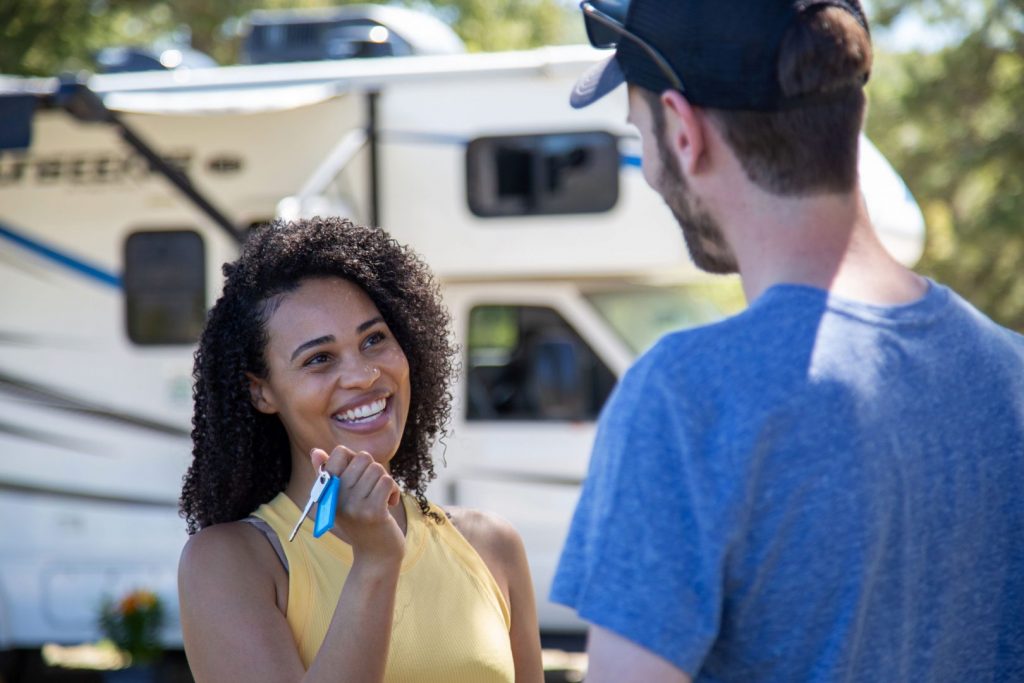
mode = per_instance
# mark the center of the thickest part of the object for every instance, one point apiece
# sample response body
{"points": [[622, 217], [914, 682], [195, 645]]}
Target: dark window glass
{"points": [[165, 287], [555, 173], [527, 363]]}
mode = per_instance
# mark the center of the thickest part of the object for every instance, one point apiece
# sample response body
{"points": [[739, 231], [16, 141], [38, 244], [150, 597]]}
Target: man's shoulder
{"points": [[706, 350]]}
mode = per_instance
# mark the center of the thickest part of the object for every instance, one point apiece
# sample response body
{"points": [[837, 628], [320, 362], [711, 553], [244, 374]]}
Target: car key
{"points": [[315, 494]]}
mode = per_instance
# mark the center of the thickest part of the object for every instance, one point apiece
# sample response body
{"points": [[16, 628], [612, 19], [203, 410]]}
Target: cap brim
{"points": [[598, 81]]}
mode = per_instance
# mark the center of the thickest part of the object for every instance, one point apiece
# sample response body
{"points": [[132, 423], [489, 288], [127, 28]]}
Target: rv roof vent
{"points": [[343, 33]]}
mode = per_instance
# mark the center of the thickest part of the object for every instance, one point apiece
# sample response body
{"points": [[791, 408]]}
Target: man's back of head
{"points": [[800, 150], [783, 81], [750, 112]]}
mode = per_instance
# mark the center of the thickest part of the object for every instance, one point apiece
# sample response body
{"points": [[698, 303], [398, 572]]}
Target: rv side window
{"points": [[165, 287], [527, 363], [555, 173]]}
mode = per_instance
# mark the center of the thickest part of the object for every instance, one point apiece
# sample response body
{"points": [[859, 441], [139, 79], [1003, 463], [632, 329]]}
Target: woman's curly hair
{"points": [[241, 457]]}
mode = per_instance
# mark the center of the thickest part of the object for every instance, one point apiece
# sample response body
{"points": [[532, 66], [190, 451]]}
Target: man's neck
{"points": [[825, 241]]}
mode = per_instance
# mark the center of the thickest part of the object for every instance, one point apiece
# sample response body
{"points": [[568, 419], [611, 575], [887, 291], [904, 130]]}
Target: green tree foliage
{"points": [[43, 37], [40, 37], [488, 25], [950, 122]]}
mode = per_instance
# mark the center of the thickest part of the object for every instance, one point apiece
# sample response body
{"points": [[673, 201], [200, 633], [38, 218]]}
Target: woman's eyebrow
{"points": [[327, 338], [368, 324], [312, 342]]}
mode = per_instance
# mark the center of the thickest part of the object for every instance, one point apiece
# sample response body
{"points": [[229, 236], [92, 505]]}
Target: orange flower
{"points": [[133, 623], [135, 601], [145, 599], [127, 605]]}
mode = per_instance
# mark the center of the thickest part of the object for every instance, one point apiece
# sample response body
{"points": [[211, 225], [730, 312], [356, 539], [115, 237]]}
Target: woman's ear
{"points": [[260, 394]]}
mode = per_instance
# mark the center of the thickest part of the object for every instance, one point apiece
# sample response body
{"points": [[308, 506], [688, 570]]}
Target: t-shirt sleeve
{"points": [[647, 545]]}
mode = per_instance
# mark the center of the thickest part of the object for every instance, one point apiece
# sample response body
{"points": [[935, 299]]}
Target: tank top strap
{"points": [[272, 537]]}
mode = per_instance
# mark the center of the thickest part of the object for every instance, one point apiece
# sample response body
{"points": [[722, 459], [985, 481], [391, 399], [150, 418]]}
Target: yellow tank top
{"points": [[451, 621]]}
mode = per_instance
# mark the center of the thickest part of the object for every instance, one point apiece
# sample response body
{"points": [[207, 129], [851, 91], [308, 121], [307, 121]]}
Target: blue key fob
{"points": [[326, 508]]}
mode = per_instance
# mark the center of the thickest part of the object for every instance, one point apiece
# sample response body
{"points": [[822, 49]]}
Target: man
{"points": [[824, 487]]}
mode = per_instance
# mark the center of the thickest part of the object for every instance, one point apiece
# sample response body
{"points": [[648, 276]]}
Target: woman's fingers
{"points": [[336, 463], [387, 490], [368, 478], [362, 478]]}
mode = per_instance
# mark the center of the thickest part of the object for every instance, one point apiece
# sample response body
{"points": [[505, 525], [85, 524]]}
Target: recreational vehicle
{"points": [[557, 262]]}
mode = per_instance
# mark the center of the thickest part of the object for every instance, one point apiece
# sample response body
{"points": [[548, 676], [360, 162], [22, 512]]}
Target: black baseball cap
{"points": [[719, 54]]}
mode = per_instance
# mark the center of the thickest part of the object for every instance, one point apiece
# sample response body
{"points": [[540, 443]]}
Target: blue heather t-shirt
{"points": [[813, 490]]}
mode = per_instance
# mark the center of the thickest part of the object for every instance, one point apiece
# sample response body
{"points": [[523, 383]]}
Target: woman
{"points": [[329, 348]]}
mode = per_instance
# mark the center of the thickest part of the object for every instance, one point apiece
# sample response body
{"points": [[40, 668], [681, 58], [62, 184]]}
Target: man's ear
{"points": [[684, 131], [260, 394]]}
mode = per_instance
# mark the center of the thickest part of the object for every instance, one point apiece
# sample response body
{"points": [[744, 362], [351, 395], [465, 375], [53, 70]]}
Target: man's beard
{"points": [[704, 239]]}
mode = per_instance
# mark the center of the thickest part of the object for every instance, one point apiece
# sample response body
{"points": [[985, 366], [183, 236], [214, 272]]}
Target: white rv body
{"points": [[95, 428]]}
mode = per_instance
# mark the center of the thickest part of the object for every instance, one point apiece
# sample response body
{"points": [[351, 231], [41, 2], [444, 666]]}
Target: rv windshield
{"points": [[640, 314]]}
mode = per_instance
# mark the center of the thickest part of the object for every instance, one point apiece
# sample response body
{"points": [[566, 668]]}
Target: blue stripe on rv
{"points": [[60, 258]]}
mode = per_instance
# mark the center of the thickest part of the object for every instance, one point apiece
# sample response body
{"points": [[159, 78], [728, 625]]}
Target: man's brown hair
{"points": [[811, 148]]}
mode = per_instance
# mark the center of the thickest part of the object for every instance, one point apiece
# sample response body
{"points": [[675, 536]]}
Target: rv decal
{"points": [[36, 393], [59, 257], [29, 434], [84, 168], [64, 494]]}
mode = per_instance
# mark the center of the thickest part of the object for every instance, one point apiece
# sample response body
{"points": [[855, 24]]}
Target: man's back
{"points": [[833, 487], [814, 490]]}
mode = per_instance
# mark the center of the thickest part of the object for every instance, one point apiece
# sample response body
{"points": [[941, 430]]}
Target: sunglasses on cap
{"points": [[605, 26]]}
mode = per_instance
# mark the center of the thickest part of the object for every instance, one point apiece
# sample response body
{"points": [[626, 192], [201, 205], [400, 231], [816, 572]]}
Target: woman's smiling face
{"points": [[336, 374]]}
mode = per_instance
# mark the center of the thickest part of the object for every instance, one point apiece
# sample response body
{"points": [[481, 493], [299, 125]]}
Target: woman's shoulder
{"points": [[479, 524], [494, 538], [227, 550]]}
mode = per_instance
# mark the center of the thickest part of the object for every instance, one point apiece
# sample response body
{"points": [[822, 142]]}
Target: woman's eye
{"points": [[316, 359], [374, 339]]}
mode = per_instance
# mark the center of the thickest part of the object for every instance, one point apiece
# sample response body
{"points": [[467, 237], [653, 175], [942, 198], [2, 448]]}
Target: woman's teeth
{"points": [[363, 413]]}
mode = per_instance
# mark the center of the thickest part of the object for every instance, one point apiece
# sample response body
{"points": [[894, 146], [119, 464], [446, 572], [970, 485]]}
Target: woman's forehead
{"points": [[330, 302]]}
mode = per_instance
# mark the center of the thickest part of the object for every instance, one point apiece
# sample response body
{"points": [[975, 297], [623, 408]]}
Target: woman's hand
{"points": [[365, 497]]}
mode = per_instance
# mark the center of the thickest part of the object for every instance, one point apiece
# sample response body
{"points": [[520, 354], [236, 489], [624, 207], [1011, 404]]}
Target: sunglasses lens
{"points": [[600, 35]]}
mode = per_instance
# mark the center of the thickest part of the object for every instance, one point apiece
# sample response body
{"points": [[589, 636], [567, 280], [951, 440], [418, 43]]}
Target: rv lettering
{"points": [[82, 169], [224, 163], [12, 167]]}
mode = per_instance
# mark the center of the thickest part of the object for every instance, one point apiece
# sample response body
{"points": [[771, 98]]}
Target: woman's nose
{"points": [[358, 375]]}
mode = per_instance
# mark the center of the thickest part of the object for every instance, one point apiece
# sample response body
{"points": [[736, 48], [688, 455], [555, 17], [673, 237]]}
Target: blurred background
{"points": [[946, 92], [946, 96]]}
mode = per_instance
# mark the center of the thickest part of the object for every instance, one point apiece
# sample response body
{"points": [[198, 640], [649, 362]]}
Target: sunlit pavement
{"points": [[564, 667]]}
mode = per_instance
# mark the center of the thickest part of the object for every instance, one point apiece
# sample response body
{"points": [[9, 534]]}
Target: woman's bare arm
{"points": [[232, 626]]}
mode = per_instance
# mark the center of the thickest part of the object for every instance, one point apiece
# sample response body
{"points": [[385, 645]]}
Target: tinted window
{"points": [[165, 287], [558, 173], [527, 363]]}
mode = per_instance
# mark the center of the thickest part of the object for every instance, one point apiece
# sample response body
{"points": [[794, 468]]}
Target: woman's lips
{"points": [[368, 417]]}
